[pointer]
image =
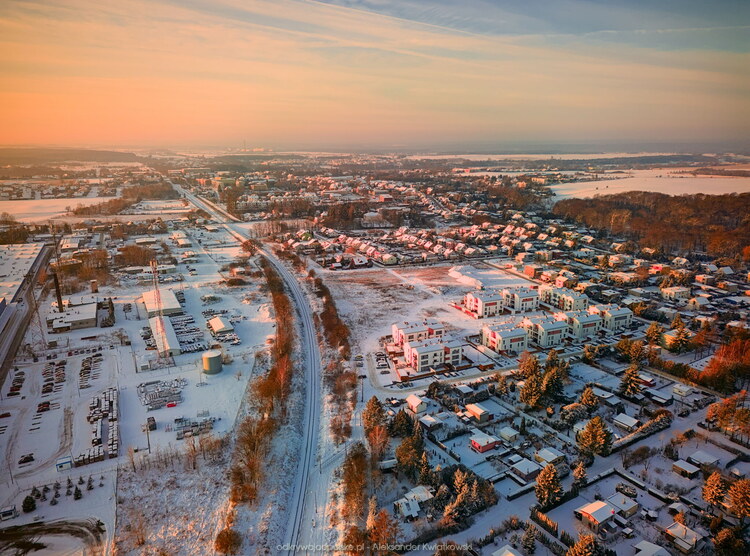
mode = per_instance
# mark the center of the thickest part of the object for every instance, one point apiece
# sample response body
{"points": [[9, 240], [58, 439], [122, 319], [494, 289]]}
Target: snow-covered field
{"points": [[659, 180], [41, 210]]}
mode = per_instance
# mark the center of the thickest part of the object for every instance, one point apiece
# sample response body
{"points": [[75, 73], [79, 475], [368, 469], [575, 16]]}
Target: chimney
{"points": [[58, 292]]}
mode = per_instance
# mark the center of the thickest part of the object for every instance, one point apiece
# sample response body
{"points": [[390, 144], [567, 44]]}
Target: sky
{"points": [[394, 74]]}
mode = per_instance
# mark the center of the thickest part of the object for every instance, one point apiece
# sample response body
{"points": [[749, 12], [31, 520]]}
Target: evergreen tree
{"points": [[548, 487], [528, 540], [681, 340], [589, 399], [677, 322], [728, 543], [529, 365], [552, 384], [28, 505], [531, 393], [501, 386], [739, 498], [653, 333], [586, 546], [373, 414], [77, 494], [637, 352], [425, 470], [715, 489], [553, 360], [401, 425], [595, 438], [589, 353], [579, 474], [409, 454], [630, 384]]}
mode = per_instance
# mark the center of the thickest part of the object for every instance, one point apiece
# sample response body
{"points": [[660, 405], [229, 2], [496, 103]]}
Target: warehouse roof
{"points": [[169, 303]]}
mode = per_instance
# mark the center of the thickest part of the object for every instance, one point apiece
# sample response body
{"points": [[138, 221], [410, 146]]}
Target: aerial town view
{"points": [[355, 277]]}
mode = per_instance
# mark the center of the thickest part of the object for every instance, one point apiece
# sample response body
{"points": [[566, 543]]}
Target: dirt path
{"points": [[22, 539]]}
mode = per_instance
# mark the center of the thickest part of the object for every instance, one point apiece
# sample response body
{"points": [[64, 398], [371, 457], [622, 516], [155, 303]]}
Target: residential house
{"points": [[682, 537], [595, 514]]}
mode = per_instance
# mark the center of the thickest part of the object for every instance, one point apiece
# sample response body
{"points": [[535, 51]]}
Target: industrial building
{"points": [[169, 304], [220, 325], [19, 268], [74, 318]]}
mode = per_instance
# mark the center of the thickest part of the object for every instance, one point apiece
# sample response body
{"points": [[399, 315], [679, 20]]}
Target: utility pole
{"points": [[148, 437]]}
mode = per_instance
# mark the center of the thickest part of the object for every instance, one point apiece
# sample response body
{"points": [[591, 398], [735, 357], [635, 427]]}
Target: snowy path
{"points": [[303, 528]]}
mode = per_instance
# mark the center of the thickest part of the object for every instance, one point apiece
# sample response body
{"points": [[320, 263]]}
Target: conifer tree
{"points": [[630, 384], [715, 489], [680, 341], [531, 393], [595, 438], [579, 474], [373, 414], [528, 540], [589, 399], [552, 384], [653, 333], [548, 487], [529, 365], [677, 322], [739, 498], [585, 546]]}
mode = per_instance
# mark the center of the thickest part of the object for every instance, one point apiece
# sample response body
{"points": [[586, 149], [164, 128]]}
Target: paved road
{"points": [[303, 528]]}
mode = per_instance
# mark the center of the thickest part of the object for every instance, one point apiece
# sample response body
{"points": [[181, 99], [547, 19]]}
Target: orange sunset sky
{"points": [[299, 73]]}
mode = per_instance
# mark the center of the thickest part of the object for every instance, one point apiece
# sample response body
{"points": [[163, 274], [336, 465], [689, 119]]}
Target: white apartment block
{"points": [[403, 332], [426, 354], [505, 338], [614, 317], [546, 332], [581, 324], [563, 298], [483, 304], [521, 300]]}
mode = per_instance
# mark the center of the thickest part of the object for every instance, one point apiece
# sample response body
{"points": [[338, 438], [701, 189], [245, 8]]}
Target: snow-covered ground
{"points": [[660, 180], [41, 210], [64, 430]]}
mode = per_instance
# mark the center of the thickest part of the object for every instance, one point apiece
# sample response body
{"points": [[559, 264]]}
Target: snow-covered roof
{"points": [[599, 510]]}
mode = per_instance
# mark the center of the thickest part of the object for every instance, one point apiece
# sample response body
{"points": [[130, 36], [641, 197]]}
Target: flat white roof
{"points": [[169, 301], [16, 260], [220, 324], [685, 466], [626, 420]]}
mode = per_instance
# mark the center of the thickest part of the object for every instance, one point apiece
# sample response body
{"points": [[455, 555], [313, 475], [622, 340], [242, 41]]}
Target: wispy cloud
{"points": [[285, 72]]}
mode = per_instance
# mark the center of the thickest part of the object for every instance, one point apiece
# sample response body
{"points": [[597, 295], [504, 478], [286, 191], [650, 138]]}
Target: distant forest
{"points": [[716, 224]]}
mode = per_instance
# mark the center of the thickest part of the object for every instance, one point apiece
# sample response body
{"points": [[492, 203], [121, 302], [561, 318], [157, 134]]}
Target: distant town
{"points": [[265, 353]]}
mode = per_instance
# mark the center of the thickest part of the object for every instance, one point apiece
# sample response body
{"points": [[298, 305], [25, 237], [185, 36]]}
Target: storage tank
{"points": [[212, 362]]}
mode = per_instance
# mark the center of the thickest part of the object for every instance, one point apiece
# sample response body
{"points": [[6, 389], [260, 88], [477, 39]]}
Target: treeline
{"points": [[270, 393], [130, 196], [720, 172], [716, 224], [14, 233], [336, 331]]}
